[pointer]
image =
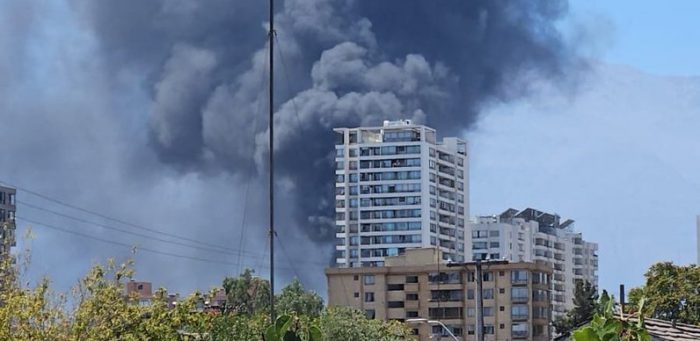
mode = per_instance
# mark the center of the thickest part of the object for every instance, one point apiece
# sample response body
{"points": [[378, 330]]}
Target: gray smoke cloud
{"points": [[341, 63], [188, 78]]}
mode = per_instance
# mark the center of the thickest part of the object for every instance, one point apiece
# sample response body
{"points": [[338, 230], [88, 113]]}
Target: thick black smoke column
{"points": [[346, 63]]}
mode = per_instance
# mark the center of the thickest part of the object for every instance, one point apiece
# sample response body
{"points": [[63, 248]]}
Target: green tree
{"points": [[247, 294], [585, 304], [341, 323], [604, 326], [294, 299], [672, 293]]}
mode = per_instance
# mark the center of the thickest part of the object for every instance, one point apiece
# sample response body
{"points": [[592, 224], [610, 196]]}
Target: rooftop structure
{"points": [[531, 235]]}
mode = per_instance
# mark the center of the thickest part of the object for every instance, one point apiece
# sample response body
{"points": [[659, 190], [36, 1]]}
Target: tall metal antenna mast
{"points": [[271, 39]]}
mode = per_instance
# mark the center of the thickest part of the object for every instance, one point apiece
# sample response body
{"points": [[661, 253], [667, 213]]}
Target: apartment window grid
{"points": [[397, 189]]}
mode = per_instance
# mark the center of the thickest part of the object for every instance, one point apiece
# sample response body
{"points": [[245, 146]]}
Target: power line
{"points": [[139, 248], [137, 226], [84, 235], [126, 231], [219, 249]]}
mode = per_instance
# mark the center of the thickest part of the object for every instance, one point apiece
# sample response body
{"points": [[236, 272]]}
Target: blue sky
{"points": [[621, 154], [656, 36]]}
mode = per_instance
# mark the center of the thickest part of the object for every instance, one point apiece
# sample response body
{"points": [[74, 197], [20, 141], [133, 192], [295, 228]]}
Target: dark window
{"points": [[357, 294], [395, 304], [394, 287], [410, 314], [411, 279], [411, 297], [370, 313], [356, 277], [369, 297]]}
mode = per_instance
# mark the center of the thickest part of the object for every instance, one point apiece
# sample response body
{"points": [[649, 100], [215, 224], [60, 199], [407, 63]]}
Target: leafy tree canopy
{"points": [[585, 304], [672, 293]]}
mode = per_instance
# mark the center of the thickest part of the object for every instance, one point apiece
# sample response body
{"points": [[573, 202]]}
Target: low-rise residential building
{"points": [[7, 220], [416, 286], [142, 290], [531, 235]]}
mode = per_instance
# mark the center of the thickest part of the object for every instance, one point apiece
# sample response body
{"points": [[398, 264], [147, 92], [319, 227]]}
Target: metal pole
{"points": [[622, 299], [272, 164], [479, 303]]}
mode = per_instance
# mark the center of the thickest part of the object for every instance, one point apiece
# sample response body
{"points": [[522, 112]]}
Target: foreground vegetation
{"points": [[98, 309]]}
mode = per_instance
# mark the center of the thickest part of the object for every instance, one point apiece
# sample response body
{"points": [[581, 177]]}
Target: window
{"points": [[501, 290], [540, 312], [489, 329], [369, 297], [471, 312], [356, 277], [519, 330], [494, 245], [493, 233], [519, 312], [488, 294], [445, 313], [395, 304], [445, 277], [339, 152], [411, 279], [470, 294], [518, 293], [488, 311], [411, 314], [412, 297], [501, 308], [368, 279], [488, 276], [356, 295], [518, 276], [370, 313], [394, 287]]}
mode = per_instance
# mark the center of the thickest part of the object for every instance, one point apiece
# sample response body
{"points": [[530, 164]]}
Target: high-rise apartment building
{"points": [[398, 188], [535, 236], [7, 219], [417, 288]]}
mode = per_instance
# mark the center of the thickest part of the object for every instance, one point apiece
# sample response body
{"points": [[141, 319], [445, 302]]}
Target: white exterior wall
{"points": [[357, 246], [521, 240]]}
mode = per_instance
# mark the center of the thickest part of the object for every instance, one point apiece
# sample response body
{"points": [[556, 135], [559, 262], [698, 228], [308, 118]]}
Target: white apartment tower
{"points": [[535, 236], [397, 188]]}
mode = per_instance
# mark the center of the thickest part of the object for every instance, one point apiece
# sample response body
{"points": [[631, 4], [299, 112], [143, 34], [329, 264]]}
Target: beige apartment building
{"points": [[516, 296]]}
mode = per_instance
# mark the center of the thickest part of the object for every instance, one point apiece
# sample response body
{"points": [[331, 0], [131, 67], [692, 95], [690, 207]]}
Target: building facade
{"points": [[535, 236], [416, 285], [398, 188], [141, 290], [7, 219]]}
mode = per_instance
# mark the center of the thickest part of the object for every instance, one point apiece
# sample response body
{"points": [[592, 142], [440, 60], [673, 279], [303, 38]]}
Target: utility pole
{"points": [[479, 302], [271, 37], [478, 295]]}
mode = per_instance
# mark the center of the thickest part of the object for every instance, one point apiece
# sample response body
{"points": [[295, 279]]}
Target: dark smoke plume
{"points": [[342, 63]]}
